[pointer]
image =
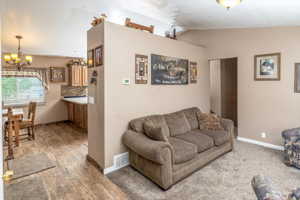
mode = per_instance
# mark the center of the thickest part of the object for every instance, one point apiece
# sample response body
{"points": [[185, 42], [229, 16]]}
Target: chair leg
{"points": [[32, 133], [5, 133], [28, 132]]}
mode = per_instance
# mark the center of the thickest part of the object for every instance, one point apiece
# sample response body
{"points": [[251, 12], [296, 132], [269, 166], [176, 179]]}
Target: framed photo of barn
{"points": [[141, 69], [167, 70]]}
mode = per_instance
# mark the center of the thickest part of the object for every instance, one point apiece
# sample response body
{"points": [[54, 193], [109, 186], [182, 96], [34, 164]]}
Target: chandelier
{"points": [[18, 59], [229, 3]]}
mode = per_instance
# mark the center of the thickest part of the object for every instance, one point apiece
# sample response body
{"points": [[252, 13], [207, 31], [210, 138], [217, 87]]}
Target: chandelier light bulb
{"points": [[229, 3], [18, 59]]}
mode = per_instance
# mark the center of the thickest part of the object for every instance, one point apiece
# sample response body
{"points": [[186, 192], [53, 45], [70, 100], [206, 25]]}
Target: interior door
{"points": [[229, 89]]}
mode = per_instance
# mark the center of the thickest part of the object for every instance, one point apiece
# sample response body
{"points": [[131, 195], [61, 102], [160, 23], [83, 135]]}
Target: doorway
{"points": [[224, 88]]}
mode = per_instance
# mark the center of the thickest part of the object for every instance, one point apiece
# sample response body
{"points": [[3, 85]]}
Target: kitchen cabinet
{"points": [[78, 75], [77, 113]]}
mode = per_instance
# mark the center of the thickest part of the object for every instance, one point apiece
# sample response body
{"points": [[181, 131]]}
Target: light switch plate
{"points": [[91, 100], [126, 81]]}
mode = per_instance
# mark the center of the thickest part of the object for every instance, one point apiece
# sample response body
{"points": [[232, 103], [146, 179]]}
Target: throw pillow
{"points": [[154, 132], [210, 122]]}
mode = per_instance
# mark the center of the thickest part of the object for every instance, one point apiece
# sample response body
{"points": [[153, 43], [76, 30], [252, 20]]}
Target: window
{"points": [[22, 90]]}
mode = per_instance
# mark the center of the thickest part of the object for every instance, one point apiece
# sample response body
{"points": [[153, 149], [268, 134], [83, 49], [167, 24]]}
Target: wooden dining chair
{"points": [[29, 122], [12, 130]]}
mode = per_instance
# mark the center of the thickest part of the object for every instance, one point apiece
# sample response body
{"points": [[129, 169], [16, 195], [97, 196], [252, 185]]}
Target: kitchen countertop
{"points": [[76, 100]]}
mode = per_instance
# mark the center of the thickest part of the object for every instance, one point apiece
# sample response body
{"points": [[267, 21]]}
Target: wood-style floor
{"points": [[73, 177]]}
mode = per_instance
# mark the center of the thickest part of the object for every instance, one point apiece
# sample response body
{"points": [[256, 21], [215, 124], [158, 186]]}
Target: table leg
{"points": [[17, 133]]}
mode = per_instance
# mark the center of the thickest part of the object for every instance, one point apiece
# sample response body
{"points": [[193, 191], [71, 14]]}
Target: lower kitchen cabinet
{"points": [[77, 113]]}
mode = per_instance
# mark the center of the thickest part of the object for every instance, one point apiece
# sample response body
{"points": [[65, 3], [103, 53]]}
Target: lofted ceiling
{"points": [[58, 27]]}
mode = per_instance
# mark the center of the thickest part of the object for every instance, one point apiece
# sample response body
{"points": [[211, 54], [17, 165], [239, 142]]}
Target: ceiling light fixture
{"points": [[229, 3], [18, 59]]}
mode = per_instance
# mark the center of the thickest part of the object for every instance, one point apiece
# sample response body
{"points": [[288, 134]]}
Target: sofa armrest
{"points": [[264, 188], [291, 134], [229, 126], [146, 147]]}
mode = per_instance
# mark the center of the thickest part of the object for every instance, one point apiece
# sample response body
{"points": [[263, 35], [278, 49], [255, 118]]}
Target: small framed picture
{"points": [[297, 77], [193, 72], [267, 67], [57, 74], [99, 56], [141, 69], [90, 58]]}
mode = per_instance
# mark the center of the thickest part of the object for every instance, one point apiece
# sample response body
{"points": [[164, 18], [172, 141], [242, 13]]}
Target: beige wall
{"points": [[126, 102], [54, 110], [96, 111], [263, 106], [215, 86]]}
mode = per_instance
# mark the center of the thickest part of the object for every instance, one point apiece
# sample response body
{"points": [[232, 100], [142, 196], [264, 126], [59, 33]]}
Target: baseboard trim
{"points": [[264, 144], [94, 163], [112, 169]]}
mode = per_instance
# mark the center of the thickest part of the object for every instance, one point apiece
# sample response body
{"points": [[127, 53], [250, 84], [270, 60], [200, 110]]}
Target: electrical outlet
{"points": [[263, 135]]}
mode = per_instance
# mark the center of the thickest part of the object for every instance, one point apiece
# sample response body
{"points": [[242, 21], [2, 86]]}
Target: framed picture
{"points": [[267, 67], [99, 56], [90, 58], [57, 74], [193, 72], [168, 70], [297, 77], [141, 69]]}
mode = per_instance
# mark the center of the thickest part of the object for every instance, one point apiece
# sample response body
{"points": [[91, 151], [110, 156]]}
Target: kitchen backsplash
{"points": [[73, 90]]}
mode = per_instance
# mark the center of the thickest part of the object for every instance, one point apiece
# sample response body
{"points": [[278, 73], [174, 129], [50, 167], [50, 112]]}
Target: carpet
{"points": [[30, 164], [227, 178], [29, 189]]}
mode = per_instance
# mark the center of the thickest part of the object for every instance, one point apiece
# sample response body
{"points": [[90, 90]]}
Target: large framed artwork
{"points": [[57, 74], [297, 77], [193, 72], [168, 70], [90, 58], [99, 56], [267, 67], [141, 69]]}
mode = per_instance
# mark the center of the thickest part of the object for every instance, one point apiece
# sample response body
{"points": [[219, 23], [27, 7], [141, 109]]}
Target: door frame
{"points": [[220, 58], [1, 134]]}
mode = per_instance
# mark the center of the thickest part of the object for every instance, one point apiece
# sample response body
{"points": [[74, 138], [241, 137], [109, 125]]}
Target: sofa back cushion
{"points": [[177, 123], [155, 132], [191, 116], [158, 120]]}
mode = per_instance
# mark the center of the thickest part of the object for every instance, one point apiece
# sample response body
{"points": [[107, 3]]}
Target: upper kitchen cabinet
{"points": [[78, 75]]}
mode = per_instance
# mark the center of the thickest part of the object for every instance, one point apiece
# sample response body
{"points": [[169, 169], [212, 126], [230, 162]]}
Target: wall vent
{"points": [[121, 160]]}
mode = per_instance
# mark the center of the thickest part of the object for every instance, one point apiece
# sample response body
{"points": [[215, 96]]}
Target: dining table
{"points": [[17, 115]]}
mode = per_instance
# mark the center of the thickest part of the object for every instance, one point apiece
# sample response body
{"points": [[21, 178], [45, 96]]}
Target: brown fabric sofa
{"points": [[188, 149]]}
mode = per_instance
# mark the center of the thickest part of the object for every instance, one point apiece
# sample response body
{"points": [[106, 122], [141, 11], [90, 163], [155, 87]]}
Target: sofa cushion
{"points": [[220, 137], [202, 141], [138, 124], [177, 123], [191, 115], [182, 151], [154, 132], [210, 122]]}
